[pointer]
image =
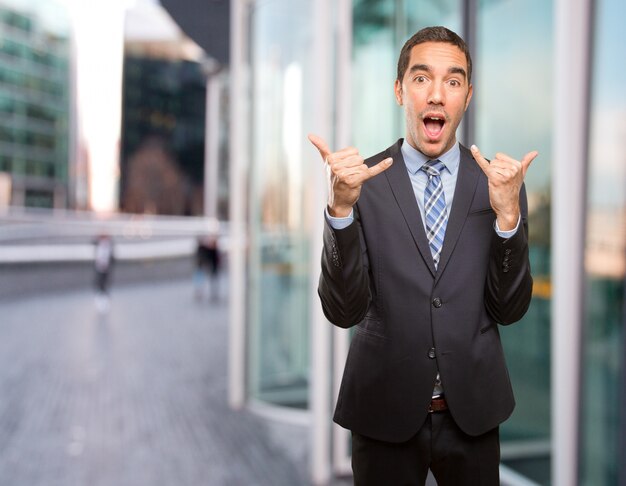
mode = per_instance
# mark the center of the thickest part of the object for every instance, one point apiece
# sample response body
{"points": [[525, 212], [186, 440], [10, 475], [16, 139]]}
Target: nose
{"points": [[436, 94]]}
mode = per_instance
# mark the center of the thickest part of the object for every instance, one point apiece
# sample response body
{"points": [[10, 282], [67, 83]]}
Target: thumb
{"points": [[480, 160], [320, 145], [380, 167], [527, 159]]}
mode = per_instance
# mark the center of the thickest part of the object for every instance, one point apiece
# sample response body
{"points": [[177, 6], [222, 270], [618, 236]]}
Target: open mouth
{"points": [[434, 125]]}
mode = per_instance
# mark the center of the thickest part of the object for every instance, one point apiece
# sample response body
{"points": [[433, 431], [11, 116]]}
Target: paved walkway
{"points": [[133, 398]]}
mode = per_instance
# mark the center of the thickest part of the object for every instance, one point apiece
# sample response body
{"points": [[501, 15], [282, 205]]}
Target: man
{"points": [[426, 259], [103, 264]]}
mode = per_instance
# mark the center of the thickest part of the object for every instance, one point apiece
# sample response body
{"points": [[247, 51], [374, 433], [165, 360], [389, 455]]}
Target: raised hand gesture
{"points": [[346, 172], [505, 176]]}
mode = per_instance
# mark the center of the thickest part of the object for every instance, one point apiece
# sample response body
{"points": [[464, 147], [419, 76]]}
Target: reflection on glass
{"points": [[512, 116], [375, 119], [512, 102], [279, 247], [380, 29], [605, 253]]}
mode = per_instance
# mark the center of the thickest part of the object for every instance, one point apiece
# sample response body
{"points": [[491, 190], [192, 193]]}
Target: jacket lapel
{"points": [[466, 182], [402, 189]]}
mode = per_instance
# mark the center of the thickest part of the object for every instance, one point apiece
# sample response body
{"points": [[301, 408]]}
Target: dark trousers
{"points": [[455, 458], [102, 282]]}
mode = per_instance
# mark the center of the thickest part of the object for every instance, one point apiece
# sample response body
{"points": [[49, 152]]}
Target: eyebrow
{"points": [[425, 67]]}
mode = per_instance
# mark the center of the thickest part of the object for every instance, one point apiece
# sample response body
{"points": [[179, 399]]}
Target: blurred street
{"points": [[136, 396]]}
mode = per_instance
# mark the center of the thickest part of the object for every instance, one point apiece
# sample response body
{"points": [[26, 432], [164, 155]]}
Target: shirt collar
{"points": [[414, 159]]}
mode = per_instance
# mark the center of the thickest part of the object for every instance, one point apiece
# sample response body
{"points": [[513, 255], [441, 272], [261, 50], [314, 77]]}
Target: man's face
{"points": [[435, 93]]}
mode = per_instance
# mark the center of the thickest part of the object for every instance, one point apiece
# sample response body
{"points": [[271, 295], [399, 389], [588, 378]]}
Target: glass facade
{"points": [[602, 411], [505, 109], [278, 300], [380, 29], [512, 112], [34, 101], [512, 107]]}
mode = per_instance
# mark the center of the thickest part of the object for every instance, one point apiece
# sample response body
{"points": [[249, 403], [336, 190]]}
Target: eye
{"points": [[455, 83], [419, 79]]}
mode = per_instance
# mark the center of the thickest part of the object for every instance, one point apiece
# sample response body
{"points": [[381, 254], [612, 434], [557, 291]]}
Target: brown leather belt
{"points": [[438, 405]]}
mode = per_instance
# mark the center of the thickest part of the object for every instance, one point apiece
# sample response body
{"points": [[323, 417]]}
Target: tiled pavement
{"points": [[136, 397]]}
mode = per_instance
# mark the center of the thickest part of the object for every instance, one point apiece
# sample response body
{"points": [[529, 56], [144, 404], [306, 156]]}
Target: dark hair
{"points": [[432, 34]]}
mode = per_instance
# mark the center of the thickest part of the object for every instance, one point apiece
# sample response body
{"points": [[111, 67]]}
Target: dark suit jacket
{"points": [[411, 320]]}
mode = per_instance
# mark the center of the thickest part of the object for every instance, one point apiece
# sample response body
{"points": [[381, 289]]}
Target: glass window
{"points": [[282, 98], [380, 29], [605, 254], [5, 164], [17, 20], [376, 123], [34, 99], [513, 106]]}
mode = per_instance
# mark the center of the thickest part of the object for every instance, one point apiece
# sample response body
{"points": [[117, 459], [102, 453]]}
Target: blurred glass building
{"points": [[172, 159], [35, 84], [300, 66], [162, 154]]}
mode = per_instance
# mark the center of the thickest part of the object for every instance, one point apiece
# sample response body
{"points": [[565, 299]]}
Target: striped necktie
{"points": [[436, 214]]}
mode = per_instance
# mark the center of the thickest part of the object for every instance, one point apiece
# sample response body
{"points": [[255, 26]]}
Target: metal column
{"points": [[238, 151], [572, 63]]}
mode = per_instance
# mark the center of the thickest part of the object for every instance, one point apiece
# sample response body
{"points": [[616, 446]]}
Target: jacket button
{"points": [[437, 302], [431, 353]]}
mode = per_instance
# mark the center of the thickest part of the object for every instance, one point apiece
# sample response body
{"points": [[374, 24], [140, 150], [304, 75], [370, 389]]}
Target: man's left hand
{"points": [[505, 176]]}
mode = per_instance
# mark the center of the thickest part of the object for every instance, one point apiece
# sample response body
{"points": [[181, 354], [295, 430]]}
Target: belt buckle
{"points": [[441, 402]]}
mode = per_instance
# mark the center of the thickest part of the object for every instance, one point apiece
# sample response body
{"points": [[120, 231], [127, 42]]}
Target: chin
{"points": [[432, 151]]}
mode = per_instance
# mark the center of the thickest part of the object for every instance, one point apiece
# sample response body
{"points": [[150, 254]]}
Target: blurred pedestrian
{"points": [[103, 265], [213, 266], [207, 268]]}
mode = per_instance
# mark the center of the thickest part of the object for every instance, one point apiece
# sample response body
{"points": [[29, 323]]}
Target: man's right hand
{"points": [[346, 172]]}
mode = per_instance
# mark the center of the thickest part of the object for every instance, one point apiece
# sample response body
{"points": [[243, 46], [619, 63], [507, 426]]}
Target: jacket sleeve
{"points": [[344, 281], [509, 283]]}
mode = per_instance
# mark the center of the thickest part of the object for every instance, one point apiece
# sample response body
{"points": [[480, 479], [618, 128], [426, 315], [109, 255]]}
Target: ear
{"points": [[397, 88], [469, 96]]}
